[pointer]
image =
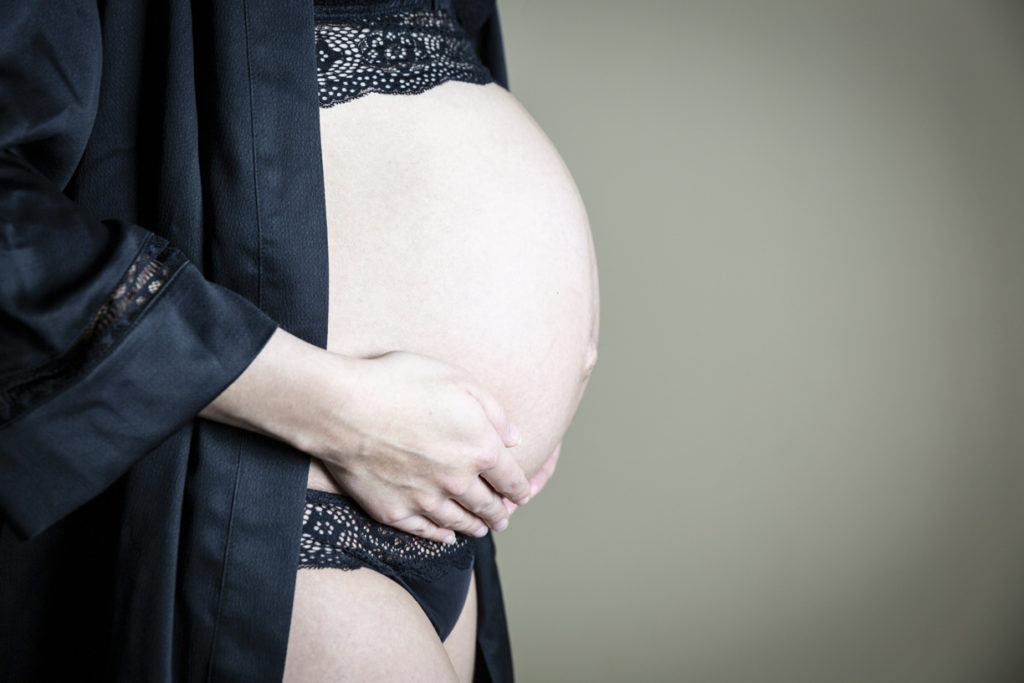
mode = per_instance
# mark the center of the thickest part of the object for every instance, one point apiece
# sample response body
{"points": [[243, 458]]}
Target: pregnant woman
{"points": [[438, 183], [164, 254]]}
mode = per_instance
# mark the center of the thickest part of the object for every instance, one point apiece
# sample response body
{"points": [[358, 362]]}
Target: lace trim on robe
{"points": [[337, 533], [150, 270], [399, 52]]}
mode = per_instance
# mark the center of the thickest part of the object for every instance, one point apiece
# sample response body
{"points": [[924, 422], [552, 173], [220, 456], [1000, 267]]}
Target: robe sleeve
{"points": [[110, 339]]}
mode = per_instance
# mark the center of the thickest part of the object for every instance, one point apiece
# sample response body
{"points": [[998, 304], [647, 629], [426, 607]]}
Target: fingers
{"points": [[508, 479], [540, 479], [424, 528], [483, 502], [496, 414], [451, 515]]}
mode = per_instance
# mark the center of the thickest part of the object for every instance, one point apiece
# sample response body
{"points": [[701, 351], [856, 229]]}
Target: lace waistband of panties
{"points": [[336, 532]]}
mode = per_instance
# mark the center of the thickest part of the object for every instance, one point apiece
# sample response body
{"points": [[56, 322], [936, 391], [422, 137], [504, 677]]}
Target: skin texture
{"points": [[456, 231], [380, 635]]}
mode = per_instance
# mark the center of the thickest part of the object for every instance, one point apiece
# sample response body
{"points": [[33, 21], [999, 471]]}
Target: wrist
{"points": [[276, 392]]}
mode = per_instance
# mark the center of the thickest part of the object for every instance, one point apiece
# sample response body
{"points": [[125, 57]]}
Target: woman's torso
{"points": [[456, 231]]}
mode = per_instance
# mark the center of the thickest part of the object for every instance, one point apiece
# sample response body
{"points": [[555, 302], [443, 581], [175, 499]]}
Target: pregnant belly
{"points": [[455, 231]]}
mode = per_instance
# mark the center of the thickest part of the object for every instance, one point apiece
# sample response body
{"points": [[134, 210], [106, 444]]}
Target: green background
{"points": [[801, 454]]}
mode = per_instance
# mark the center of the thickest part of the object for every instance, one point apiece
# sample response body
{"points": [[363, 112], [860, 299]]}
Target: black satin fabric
{"points": [[136, 541]]}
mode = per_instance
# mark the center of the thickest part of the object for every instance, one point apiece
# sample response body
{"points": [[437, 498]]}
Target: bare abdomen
{"points": [[455, 231]]}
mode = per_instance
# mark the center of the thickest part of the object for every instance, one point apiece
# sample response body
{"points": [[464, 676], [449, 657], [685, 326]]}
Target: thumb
{"points": [[496, 414]]}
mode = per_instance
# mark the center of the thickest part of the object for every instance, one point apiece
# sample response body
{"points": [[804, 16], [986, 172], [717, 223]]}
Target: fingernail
{"points": [[513, 432], [534, 490], [481, 532], [523, 501], [449, 539], [501, 525]]}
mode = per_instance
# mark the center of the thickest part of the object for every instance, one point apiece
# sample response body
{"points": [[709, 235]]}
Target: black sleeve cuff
{"points": [[188, 340]]}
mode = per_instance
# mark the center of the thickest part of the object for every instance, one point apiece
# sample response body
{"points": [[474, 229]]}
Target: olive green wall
{"points": [[801, 455]]}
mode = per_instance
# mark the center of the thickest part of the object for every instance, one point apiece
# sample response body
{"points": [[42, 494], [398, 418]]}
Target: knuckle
{"points": [[487, 459], [457, 486], [428, 504], [392, 515]]}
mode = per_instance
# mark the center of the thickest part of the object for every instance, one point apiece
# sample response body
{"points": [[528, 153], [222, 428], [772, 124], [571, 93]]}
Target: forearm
{"points": [[273, 395]]}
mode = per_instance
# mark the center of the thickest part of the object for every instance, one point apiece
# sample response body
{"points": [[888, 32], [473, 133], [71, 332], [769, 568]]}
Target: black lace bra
{"points": [[400, 47]]}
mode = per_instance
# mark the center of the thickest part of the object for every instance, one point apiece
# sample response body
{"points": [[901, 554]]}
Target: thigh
{"points": [[461, 642], [359, 625]]}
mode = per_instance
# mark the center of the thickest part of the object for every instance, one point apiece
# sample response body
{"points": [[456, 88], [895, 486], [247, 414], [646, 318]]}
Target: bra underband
{"points": [[390, 48]]}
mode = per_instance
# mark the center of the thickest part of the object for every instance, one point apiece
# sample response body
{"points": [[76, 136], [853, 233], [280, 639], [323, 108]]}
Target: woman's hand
{"points": [[540, 479], [418, 443], [410, 441]]}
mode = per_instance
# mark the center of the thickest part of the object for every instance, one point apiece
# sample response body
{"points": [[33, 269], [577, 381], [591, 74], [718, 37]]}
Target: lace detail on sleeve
{"points": [[148, 273], [402, 53]]}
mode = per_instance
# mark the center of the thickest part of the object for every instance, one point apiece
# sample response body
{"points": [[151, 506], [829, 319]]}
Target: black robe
{"points": [[161, 214]]}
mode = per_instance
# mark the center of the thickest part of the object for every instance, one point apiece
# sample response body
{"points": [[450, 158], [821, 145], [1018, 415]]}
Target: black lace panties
{"points": [[400, 47], [336, 533]]}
